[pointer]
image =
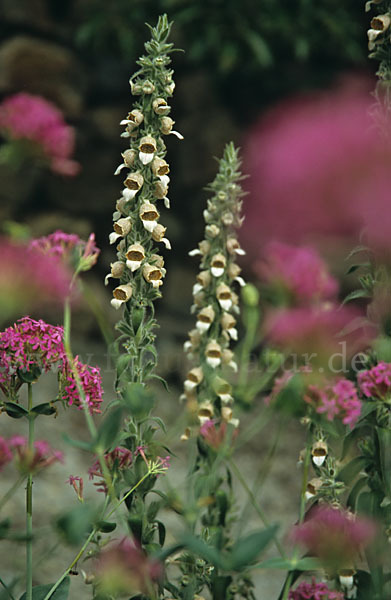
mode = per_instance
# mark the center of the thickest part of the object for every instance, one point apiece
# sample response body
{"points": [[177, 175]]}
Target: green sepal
{"points": [[44, 409], [14, 410]]}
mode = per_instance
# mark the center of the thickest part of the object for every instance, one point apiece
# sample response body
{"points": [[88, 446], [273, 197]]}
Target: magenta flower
{"points": [[334, 535], [376, 382], [116, 460], [215, 434], [24, 117], [318, 167], [336, 401], [316, 331], [299, 272], [90, 380], [27, 344], [125, 568], [314, 591], [32, 461], [68, 247], [5, 452], [29, 279], [78, 484]]}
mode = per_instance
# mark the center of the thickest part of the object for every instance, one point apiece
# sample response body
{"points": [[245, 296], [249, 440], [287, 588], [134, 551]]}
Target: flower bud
{"points": [[233, 246], [117, 269], [134, 256], [313, 486], [223, 389], [148, 87], [205, 411], [159, 167], [133, 184], [212, 231], [129, 157], [346, 578], [204, 318], [228, 323], [186, 435], [227, 357], [157, 260], [204, 279], [166, 125], [213, 354], [227, 218], [218, 264], [136, 117], [381, 23], [121, 294], [153, 275], [250, 295], [158, 233], [160, 106], [149, 216], [147, 149]]}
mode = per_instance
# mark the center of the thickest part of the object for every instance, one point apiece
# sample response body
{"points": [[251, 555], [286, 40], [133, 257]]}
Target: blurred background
{"points": [[241, 60]]}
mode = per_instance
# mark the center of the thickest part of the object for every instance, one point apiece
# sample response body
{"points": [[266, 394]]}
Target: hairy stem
{"points": [[29, 504]]}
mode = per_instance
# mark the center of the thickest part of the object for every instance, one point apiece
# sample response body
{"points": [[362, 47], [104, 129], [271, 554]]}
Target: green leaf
{"points": [[137, 400], [259, 47], [106, 526], [245, 550], [382, 347], [354, 267], [31, 375], [14, 410], [109, 429], [44, 409], [361, 293], [199, 547], [78, 443], [384, 437], [285, 564], [162, 532], [354, 492], [352, 469], [76, 524], [40, 591]]}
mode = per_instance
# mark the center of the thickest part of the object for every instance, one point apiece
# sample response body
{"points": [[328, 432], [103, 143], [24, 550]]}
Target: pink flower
{"points": [[28, 278], [316, 331], [32, 461], [5, 452], [27, 117], [68, 247], [78, 484], [314, 591], [27, 344], [116, 460], [90, 380], [333, 535], [336, 401], [318, 166], [215, 435], [125, 568], [300, 272], [376, 382]]}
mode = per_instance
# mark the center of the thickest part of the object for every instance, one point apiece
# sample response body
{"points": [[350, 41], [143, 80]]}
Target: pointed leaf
{"points": [[285, 564], [14, 410], [108, 430], [44, 409], [245, 550], [40, 591], [202, 549], [77, 443], [361, 293], [384, 437], [352, 469]]}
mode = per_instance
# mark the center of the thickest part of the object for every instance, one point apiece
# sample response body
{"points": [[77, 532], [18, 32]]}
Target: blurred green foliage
{"points": [[289, 43]]}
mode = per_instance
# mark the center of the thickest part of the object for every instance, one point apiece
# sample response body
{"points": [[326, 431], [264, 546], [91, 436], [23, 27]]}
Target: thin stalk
{"points": [[255, 505], [251, 318], [8, 495], [29, 504], [89, 538]]}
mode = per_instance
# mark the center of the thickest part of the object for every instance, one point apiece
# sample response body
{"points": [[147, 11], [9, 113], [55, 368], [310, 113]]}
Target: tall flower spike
{"points": [[144, 171], [214, 295]]}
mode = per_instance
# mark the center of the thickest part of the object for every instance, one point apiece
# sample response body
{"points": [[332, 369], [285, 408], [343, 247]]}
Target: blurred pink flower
{"points": [[5, 452], [314, 591], [32, 461], [334, 535], [125, 568], [29, 279], [320, 332], [318, 166], [27, 117], [91, 383], [376, 382], [336, 401], [298, 271], [116, 461], [69, 248], [215, 434]]}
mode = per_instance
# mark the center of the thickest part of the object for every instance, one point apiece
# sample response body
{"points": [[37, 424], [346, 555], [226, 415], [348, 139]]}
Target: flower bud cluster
{"points": [[139, 268], [215, 299]]}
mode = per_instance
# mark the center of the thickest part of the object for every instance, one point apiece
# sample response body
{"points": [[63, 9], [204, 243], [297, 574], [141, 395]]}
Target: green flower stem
{"points": [[255, 504], [93, 532], [287, 586], [29, 504], [5, 586], [8, 495], [251, 322]]}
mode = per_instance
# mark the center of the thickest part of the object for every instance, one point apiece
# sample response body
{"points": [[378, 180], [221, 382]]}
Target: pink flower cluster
{"points": [[117, 460], [215, 434], [27, 117], [336, 401], [376, 382], [29, 343], [314, 591], [68, 247], [318, 166], [29, 278], [299, 271], [28, 461], [125, 568]]}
